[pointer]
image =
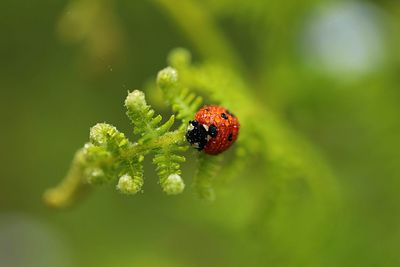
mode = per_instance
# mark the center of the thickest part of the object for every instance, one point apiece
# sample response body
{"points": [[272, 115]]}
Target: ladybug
{"points": [[213, 130]]}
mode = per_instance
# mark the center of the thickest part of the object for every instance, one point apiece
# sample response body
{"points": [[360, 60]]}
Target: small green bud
{"points": [[128, 185], [135, 101], [167, 77], [179, 57], [95, 176], [173, 185], [95, 154], [106, 135], [98, 162]]}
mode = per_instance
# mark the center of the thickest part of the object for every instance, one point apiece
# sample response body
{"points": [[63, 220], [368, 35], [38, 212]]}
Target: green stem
{"points": [[200, 28], [71, 188], [162, 141], [74, 186]]}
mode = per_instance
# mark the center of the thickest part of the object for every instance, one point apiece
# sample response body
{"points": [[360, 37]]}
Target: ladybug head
{"points": [[197, 135]]}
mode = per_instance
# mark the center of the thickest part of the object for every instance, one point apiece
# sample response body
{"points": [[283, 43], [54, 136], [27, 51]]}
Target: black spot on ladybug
{"points": [[197, 135], [213, 130], [230, 137], [223, 115]]}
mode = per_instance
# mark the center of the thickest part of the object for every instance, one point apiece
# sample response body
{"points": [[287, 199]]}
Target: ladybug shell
{"points": [[227, 126]]}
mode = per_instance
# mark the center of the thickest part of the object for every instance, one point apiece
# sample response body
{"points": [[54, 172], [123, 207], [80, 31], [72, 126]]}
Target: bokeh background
{"points": [[330, 69]]}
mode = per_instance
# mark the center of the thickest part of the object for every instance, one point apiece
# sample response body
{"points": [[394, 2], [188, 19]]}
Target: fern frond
{"points": [[99, 166], [268, 137], [131, 182], [183, 102], [168, 169], [146, 126], [106, 145], [143, 119], [208, 167], [110, 156], [108, 137]]}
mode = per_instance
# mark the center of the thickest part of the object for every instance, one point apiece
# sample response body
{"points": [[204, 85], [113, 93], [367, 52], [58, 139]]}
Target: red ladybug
{"points": [[214, 130]]}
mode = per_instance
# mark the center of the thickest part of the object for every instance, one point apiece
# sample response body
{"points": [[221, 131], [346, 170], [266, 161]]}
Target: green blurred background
{"points": [[330, 69]]}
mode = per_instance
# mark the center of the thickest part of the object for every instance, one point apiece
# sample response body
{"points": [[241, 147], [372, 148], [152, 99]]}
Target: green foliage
{"points": [[142, 117], [277, 197], [205, 174], [168, 169], [184, 103], [110, 155]]}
